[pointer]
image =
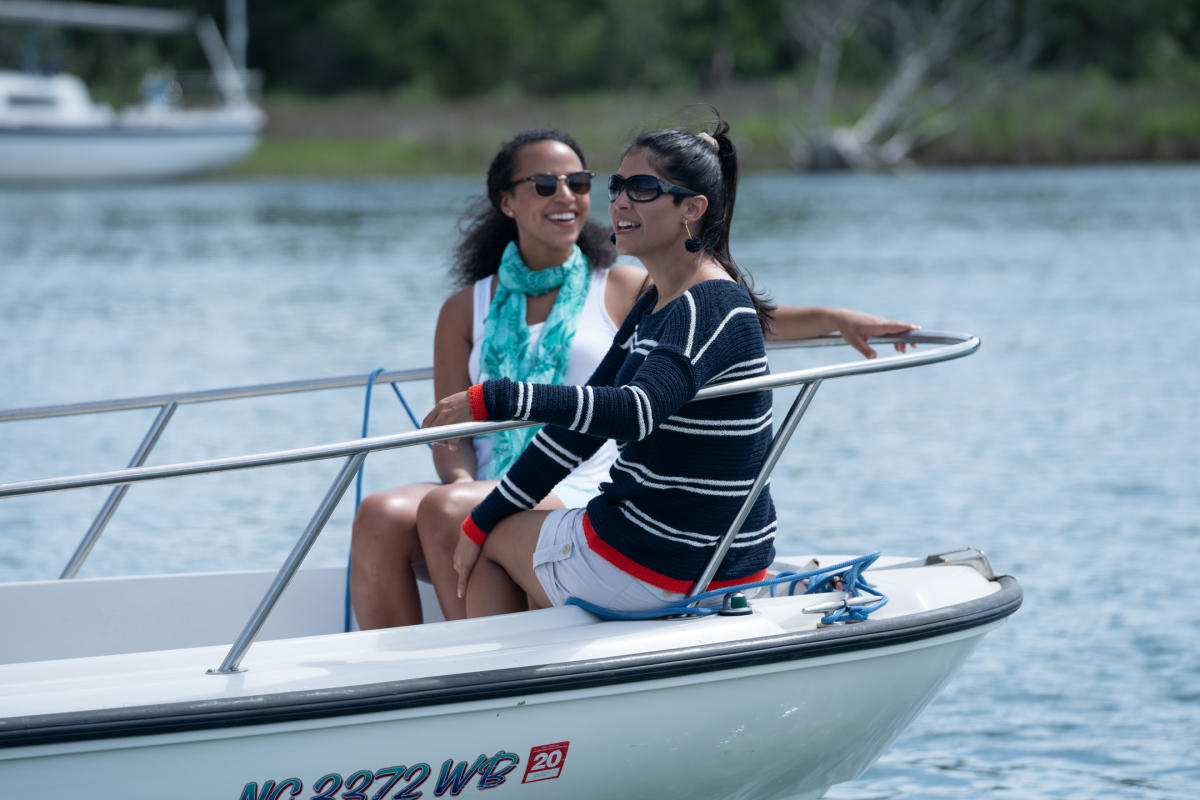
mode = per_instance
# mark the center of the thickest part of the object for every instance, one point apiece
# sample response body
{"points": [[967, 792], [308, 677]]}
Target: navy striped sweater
{"points": [[686, 466]]}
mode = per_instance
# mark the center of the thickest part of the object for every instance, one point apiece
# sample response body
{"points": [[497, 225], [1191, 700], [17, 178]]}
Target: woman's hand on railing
{"points": [[450, 409], [857, 326]]}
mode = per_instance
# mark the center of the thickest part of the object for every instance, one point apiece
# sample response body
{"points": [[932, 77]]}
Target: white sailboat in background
{"points": [[52, 131]]}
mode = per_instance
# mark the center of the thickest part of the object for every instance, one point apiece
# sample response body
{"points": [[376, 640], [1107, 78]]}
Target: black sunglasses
{"points": [[546, 184], [643, 188]]}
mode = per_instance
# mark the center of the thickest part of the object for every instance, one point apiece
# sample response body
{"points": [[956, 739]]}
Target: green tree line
{"points": [[464, 48]]}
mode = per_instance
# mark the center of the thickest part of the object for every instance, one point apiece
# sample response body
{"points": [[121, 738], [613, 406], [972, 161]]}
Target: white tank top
{"points": [[594, 334]]}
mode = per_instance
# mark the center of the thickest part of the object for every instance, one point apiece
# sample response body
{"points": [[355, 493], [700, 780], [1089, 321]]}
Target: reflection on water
{"points": [[1067, 448]]}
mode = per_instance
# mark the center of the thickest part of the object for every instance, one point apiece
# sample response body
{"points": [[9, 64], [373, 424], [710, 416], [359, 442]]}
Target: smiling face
{"points": [[647, 230], [547, 227]]}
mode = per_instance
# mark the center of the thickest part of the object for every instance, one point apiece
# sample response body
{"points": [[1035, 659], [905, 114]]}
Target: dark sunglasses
{"points": [[643, 188], [546, 184]]}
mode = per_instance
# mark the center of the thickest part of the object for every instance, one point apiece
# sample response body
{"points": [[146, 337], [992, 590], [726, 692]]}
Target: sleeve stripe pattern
{"points": [[590, 400], [637, 406], [570, 455], [524, 400], [742, 369], [645, 410], [721, 327], [696, 430], [754, 421], [515, 495], [559, 455], [691, 333], [578, 408]]}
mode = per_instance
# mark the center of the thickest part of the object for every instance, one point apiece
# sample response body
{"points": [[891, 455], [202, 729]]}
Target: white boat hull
{"points": [[120, 154], [549, 703], [52, 132], [767, 732]]}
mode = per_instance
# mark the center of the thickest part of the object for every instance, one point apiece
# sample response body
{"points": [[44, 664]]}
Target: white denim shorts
{"points": [[571, 495], [567, 567]]}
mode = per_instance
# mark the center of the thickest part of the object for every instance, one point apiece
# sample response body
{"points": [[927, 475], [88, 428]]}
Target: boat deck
{"points": [[315, 655]]}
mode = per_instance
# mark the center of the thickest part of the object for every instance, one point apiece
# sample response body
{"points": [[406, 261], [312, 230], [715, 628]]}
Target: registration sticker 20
{"points": [[545, 762]]}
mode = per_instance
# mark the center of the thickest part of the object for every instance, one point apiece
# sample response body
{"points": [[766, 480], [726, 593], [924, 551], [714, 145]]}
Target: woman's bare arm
{"points": [[795, 322], [454, 459]]}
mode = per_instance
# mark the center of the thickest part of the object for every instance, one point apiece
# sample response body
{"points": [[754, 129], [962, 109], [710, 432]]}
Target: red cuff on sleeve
{"points": [[472, 531], [478, 407]]}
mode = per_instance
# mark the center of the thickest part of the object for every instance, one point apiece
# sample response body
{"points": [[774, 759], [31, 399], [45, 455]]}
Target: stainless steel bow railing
{"points": [[167, 404], [952, 346]]}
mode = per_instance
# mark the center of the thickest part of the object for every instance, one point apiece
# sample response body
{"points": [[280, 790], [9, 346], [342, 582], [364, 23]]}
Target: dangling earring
{"points": [[612, 237], [693, 243]]}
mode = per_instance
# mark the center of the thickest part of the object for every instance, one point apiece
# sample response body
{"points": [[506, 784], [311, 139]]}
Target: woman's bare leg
{"points": [[383, 547], [439, 525], [503, 575]]}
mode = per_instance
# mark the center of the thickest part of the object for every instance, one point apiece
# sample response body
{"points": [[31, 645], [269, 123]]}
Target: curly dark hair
{"points": [[486, 231]]}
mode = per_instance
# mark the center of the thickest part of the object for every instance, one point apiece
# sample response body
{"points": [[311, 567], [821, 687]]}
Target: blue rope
{"points": [[848, 572], [358, 481], [408, 410], [366, 422]]}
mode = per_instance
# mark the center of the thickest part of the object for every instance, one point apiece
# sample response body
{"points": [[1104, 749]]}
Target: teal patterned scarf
{"points": [[508, 351]]}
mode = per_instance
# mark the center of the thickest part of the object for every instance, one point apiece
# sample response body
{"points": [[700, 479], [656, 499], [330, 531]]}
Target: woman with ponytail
{"points": [[685, 466], [538, 304]]}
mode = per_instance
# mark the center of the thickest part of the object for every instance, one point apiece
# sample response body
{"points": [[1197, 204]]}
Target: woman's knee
{"points": [[387, 516], [441, 512]]}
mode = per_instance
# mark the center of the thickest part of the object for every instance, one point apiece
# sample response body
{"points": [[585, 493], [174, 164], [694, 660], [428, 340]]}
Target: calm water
{"points": [[1067, 447]]}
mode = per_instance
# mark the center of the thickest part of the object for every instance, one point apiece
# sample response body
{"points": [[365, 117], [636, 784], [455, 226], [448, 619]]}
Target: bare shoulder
{"points": [[626, 283], [629, 277], [459, 306]]}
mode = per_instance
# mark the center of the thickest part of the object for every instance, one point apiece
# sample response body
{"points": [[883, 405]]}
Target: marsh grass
{"points": [[1045, 119]]}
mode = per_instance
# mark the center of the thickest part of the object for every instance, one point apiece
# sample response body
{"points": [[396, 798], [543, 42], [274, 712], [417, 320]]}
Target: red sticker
{"points": [[546, 762]]}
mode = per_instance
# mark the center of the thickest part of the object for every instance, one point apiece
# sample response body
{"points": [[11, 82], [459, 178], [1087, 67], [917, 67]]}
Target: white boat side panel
{"points": [[777, 731], [328, 662], [103, 616]]}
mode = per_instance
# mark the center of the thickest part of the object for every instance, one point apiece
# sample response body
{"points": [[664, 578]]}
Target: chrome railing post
{"points": [[294, 559], [117, 494], [782, 437]]}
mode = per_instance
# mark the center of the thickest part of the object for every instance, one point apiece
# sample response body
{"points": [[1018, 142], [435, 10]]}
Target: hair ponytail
{"points": [[706, 163]]}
